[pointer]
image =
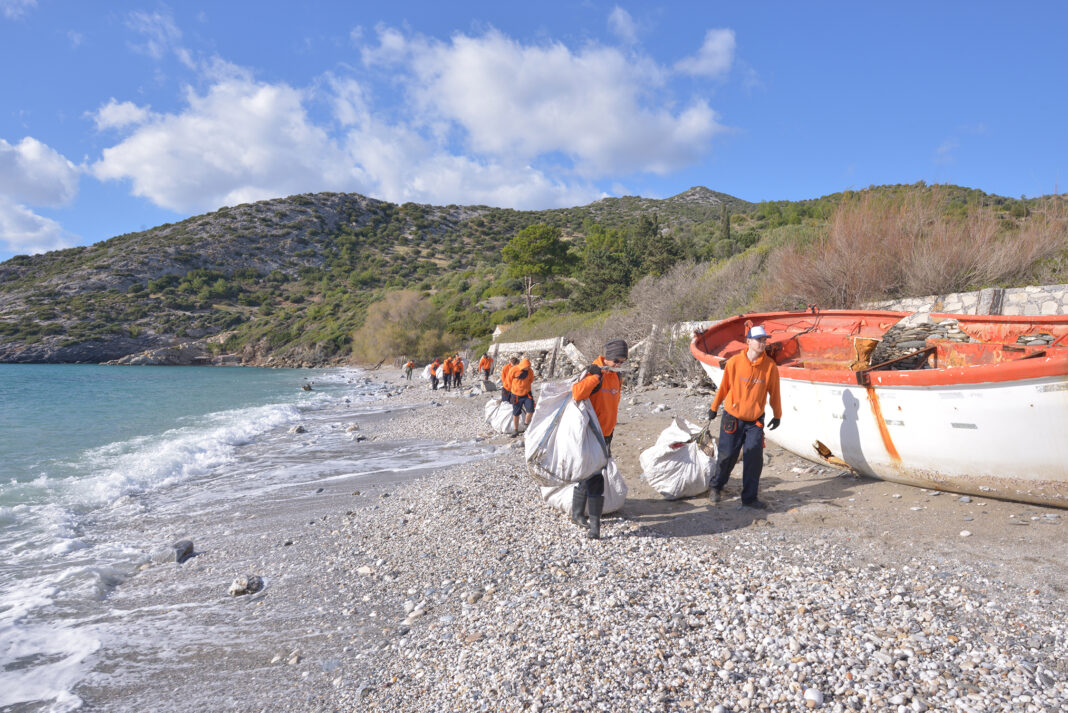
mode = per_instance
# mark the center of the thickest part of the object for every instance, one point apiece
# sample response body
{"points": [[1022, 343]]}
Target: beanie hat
{"points": [[615, 350]]}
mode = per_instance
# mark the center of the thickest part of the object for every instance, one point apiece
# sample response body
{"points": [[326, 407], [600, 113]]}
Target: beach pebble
{"points": [[964, 499], [813, 698], [247, 584], [965, 533]]}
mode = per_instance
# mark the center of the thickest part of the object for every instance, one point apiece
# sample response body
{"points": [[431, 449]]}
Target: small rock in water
{"points": [[297, 429], [353, 427], [248, 584]]}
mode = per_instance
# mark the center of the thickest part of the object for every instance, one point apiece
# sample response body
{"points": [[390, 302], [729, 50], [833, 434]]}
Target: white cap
{"points": [[757, 332]]}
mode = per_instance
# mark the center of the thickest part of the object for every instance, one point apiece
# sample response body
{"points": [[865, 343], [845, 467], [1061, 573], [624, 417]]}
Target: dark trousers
{"points": [[595, 483], [448, 381], [485, 374], [434, 382], [457, 379], [740, 437]]}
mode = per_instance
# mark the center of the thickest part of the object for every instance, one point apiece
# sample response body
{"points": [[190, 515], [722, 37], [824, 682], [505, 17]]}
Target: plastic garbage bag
{"points": [[498, 415], [426, 372], [615, 491], [677, 466], [564, 443]]}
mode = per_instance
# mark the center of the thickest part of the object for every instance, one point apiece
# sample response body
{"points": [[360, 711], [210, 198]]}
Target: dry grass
{"points": [[884, 247]]}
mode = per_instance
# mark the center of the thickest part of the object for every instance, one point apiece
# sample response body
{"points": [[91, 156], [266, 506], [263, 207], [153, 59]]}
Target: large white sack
{"points": [[563, 442], [615, 491], [498, 415], [426, 372], [674, 470]]}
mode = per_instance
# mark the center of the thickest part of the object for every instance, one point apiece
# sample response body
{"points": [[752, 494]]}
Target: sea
{"points": [[84, 446]]}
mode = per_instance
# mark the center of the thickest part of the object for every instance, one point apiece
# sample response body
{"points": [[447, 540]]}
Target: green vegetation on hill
{"points": [[295, 279]]}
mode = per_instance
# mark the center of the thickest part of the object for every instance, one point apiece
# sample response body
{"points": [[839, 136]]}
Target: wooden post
{"points": [[644, 371], [552, 359]]}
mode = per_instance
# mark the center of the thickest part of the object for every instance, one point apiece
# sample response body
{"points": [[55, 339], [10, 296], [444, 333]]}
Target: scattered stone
{"points": [[247, 584], [965, 533], [297, 429]]}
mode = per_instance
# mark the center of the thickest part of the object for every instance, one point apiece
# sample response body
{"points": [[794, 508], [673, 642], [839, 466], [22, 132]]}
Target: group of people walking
{"points": [[750, 383]]}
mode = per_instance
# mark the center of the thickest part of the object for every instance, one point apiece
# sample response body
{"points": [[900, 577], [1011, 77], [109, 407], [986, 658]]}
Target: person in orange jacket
{"points": [[485, 365], [408, 369], [750, 381], [520, 384], [506, 373], [446, 369], [457, 371], [435, 366], [602, 386]]}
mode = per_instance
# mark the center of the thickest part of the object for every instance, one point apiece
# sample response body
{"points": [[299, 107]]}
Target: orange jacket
{"points": [[521, 379], [458, 366], [606, 401], [485, 364], [409, 365], [747, 386], [446, 366], [506, 373]]}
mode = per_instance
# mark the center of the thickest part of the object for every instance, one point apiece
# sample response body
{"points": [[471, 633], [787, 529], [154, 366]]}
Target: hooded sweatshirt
{"points": [[606, 401], [747, 386], [521, 379]]}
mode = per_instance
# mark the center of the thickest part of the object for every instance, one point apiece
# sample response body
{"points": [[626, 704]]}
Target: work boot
{"points": [[578, 507], [596, 505], [715, 495]]}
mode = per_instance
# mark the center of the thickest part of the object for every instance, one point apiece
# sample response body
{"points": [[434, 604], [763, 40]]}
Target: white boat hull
{"points": [[1004, 439]]}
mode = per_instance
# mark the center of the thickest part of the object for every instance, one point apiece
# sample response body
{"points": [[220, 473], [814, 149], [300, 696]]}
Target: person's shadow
{"points": [[849, 433]]}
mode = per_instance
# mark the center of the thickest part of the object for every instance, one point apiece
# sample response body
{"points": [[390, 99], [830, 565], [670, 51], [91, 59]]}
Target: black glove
{"points": [[773, 424], [712, 415], [593, 369]]}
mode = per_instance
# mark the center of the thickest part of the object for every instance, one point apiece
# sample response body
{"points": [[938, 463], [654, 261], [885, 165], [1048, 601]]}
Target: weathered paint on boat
{"points": [[990, 419]]}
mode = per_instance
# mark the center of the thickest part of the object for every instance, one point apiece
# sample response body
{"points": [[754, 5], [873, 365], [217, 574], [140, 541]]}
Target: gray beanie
{"points": [[615, 350]]}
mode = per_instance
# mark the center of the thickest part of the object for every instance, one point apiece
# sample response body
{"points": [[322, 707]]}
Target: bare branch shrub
{"points": [[688, 292], [884, 247]]}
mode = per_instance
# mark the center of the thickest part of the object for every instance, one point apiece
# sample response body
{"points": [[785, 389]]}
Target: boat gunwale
{"points": [[1052, 365]]}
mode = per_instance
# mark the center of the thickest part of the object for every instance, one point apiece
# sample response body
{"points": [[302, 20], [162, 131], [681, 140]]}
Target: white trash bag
{"points": [[677, 467], [615, 491], [426, 372], [498, 415], [564, 443]]}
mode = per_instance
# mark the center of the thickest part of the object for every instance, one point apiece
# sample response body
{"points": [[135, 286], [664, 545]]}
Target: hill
{"points": [[288, 280]]}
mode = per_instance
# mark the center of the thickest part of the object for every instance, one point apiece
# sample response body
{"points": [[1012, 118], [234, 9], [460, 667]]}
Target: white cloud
{"points": [[115, 115], [601, 109], [945, 153], [23, 231], [622, 25], [158, 33], [13, 9], [240, 141], [31, 172], [715, 57]]}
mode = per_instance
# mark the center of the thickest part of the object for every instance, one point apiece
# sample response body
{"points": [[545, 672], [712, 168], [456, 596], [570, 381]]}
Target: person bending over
{"points": [[521, 383]]}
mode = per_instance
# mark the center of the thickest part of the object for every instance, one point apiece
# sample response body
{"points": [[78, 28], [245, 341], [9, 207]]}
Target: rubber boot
{"points": [[578, 507], [595, 505]]}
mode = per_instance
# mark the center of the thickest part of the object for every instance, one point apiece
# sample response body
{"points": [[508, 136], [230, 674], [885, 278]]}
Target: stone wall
{"points": [[1016, 301]]}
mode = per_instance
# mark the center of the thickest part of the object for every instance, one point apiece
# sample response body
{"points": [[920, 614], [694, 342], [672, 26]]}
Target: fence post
{"points": [[648, 357], [552, 359]]}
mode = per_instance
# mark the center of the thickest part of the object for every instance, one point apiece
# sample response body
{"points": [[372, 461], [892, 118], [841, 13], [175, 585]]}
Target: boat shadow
{"points": [[697, 516]]}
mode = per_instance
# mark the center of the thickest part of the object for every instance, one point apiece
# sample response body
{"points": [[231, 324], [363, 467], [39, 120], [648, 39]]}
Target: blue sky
{"points": [[119, 116]]}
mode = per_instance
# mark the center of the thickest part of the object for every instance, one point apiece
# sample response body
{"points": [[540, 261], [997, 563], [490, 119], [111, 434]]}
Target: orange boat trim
{"points": [[877, 411]]}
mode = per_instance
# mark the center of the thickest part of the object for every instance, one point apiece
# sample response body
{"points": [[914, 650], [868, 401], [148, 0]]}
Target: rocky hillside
{"points": [[282, 281]]}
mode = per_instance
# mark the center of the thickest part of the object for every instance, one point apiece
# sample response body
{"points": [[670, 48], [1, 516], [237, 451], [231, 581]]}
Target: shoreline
{"points": [[843, 587]]}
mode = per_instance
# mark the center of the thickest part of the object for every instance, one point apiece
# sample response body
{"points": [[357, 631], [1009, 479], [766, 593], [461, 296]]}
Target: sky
{"points": [[118, 116]]}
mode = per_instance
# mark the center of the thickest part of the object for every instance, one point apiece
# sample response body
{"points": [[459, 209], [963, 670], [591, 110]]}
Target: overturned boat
{"points": [[965, 403]]}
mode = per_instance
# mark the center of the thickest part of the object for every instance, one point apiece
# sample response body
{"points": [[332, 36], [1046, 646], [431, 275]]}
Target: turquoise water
{"points": [[51, 415]]}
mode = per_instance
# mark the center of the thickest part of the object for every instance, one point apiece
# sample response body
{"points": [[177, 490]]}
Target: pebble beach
{"points": [[458, 589]]}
